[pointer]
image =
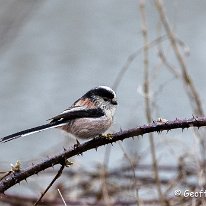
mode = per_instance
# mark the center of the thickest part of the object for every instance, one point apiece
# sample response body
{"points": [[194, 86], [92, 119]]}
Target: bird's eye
{"points": [[105, 99]]}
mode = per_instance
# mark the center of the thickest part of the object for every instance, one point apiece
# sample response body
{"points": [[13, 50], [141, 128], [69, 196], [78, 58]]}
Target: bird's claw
{"points": [[106, 136], [68, 163]]}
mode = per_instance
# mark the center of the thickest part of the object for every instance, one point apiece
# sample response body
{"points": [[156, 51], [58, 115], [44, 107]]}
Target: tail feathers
{"points": [[57, 121], [30, 131]]}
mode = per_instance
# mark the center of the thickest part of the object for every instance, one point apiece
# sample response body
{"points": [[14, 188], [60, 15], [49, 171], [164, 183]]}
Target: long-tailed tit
{"points": [[89, 116]]}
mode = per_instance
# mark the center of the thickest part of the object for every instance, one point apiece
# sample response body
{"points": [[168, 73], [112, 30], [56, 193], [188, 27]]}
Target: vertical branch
{"points": [[104, 176], [147, 99], [132, 164], [190, 88], [187, 81]]}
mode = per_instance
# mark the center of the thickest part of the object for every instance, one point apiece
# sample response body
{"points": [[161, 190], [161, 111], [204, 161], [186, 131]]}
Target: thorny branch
{"points": [[156, 126], [186, 78], [147, 102]]}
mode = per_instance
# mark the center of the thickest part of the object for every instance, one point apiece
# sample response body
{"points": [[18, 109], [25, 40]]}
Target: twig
{"points": [[190, 88], [148, 111], [14, 178], [52, 182], [61, 197], [25, 200], [131, 58], [132, 164], [186, 78]]}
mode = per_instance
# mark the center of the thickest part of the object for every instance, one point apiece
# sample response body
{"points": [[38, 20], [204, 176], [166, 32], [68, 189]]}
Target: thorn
{"points": [[77, 144], [64, 149], [195, 118], [161, 120], [26, 180]]}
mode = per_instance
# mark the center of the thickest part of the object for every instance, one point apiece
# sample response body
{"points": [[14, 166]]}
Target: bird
{"points": [[91, 115]]}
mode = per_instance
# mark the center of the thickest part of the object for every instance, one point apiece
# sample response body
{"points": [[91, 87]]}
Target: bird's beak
{"points": [[114, 101]]}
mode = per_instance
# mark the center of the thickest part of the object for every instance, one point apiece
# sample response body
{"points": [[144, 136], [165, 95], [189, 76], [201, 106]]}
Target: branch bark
{"points": [[157, 126]]}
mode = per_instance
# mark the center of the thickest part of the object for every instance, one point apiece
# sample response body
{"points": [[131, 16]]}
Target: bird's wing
{"points": [[59, 120], [77, 112]]}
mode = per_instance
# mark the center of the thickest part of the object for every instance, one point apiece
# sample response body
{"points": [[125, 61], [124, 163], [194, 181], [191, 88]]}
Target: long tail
{"points": [[56, 121], [30, 131]]}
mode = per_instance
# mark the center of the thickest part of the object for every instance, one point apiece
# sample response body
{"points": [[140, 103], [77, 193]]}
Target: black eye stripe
{"points": [[106, 99]]}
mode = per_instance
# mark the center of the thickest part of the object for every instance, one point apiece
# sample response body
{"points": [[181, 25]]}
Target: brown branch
{"points": [[132, 57], [52, 182], [190, 88], [16, 200], [192, 92], [147, 102], [157, 126]]}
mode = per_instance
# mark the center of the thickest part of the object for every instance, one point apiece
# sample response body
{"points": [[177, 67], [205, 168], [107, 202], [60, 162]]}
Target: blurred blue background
{"points": [[52, 52]]}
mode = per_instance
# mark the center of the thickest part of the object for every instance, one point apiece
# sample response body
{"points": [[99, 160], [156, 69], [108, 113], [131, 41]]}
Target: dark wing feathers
{"points": [[57, 121], [80, 113]]}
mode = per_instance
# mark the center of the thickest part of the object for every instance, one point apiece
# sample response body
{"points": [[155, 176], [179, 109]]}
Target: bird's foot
{"points": [[106, 136], [68, 163]]}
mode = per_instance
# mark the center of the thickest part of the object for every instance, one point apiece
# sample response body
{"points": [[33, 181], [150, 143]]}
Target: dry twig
{"points": [[16, 177]]}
